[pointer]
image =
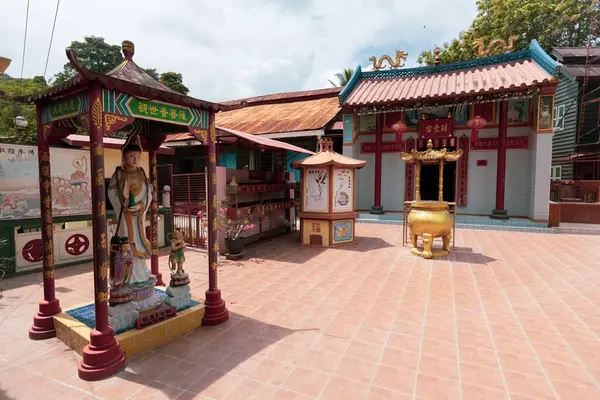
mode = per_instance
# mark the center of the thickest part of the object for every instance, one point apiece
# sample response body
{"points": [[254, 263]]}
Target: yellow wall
{"points": [[307, 230], [112, 159]]}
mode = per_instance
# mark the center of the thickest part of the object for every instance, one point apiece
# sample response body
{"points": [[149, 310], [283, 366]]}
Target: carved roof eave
{"points": [[425, 104], [85, 76]]}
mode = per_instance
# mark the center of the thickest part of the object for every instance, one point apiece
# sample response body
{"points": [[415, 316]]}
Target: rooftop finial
{"points": [[325, 144], [436, 53], [128, 49]]}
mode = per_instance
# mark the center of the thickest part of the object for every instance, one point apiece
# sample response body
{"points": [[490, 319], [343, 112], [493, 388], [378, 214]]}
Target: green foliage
{"points": [[553, 23], [174, 80], [9, 109], [94, 54], [343, 77]]}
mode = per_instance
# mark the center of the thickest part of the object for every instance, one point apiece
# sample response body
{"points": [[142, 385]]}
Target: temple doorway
{"points": [[430, 178]]}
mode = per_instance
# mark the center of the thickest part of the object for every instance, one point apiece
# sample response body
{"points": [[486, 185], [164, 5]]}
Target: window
{"points": [[559, 117], [555, 172]]}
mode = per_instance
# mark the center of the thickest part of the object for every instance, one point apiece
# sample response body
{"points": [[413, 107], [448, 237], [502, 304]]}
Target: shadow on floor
{"points": [[209, 354], [289, 249]]}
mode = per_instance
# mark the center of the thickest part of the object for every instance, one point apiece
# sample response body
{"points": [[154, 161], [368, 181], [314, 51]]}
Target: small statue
{"points": [[123, 263], [397, 63], [177, 258]]}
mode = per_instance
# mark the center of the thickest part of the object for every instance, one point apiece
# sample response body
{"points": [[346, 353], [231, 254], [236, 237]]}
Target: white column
{"points": [[541, 163]]}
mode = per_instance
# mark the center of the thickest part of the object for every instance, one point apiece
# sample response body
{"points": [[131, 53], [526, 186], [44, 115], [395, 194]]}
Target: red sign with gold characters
{"points": [[512, 143], [440, 127], [386, 147]]}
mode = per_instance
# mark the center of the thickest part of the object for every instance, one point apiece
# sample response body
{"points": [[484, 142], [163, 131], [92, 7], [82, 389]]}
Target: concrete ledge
{"points": [[76, 334]]}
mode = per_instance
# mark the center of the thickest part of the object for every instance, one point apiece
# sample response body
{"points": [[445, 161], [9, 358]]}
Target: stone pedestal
{"points": [[123, 316], [178, 292]]}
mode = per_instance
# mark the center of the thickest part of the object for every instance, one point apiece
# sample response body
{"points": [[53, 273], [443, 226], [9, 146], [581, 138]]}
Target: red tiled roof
{"points": [[489, 79], [336, 126], [227, 134]]}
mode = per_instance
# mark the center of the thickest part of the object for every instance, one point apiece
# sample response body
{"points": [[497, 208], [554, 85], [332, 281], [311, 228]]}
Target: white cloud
{"points": [[229, 49]]}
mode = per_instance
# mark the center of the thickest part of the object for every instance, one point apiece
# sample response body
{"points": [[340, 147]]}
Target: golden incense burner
{"points": [[430, 219]]}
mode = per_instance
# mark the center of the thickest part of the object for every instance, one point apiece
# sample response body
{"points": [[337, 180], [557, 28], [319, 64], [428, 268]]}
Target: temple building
{"points": [[497, 109]]}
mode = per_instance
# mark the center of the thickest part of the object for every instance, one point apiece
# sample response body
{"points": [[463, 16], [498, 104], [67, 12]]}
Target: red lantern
{"points": [[475, 124], [399, 128]]}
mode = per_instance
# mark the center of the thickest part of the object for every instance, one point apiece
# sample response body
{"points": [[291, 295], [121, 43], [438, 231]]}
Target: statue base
{"points": [[143, 290], [179, 280], [123, 316], [120, 295], [178, 296]]}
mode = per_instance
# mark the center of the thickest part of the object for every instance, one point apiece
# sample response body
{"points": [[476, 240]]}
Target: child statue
{"points": [[177, 258]]}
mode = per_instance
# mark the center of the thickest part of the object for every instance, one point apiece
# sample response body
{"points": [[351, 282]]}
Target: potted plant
{"points": [[232, 228]]}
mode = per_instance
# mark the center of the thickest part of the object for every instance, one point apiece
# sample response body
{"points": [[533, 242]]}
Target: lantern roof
{"points": [[326, 157]]}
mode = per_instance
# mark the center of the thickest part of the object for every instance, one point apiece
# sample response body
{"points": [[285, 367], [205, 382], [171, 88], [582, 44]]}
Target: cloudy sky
{"points": [[230, 49]]}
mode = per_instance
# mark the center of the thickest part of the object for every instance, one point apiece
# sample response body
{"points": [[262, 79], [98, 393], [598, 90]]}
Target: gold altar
{"points": [[430, 219]]}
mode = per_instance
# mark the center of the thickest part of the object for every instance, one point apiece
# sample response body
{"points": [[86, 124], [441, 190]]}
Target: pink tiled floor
{"points": [[509, 315]]}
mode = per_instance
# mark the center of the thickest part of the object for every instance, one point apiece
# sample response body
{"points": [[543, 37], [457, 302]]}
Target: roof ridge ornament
{"points": [[482, 51], [399, 62], [325, 144], [128, 49], [72, 56]]}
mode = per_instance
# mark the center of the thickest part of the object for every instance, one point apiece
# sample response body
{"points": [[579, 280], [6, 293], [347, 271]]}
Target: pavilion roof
{"points": [[508, 73], [326, 156], [129, 78]]}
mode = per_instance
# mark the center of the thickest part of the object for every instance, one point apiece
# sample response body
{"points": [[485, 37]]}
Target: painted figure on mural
{"points": [[130, 194]]}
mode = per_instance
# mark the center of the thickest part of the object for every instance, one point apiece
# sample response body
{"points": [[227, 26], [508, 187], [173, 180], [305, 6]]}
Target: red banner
{"points": [[386, 147], [440, 127], [463, 172], [409, 181], [512, 143]]}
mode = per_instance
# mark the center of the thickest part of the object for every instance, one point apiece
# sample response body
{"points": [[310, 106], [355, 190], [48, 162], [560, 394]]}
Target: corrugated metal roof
{"points": [[294, 116], [576, 51], [579, 70], [489, 79], [288, 96], [224, 133]]}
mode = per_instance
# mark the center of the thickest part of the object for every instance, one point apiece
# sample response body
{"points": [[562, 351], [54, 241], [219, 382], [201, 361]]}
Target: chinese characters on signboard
{"points": [[512, 143], [386, 147], [430, 128]]}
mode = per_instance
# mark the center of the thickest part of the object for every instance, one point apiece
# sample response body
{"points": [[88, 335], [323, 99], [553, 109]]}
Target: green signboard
{"points": [[160, 111], [65, 108]]}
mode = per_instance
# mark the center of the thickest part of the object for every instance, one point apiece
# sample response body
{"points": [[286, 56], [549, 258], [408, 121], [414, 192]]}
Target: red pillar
{"points": [[154, 217], [377, 208], [103, 357], [43, 321], [215, 309], [499, 212]]}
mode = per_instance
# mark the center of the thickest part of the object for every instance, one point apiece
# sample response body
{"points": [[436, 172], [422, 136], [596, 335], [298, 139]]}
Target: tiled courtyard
{"points": [[508, 315]]}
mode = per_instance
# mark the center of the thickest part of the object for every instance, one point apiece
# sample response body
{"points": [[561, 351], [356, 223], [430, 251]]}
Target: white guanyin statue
{"points": [[130, 194]]}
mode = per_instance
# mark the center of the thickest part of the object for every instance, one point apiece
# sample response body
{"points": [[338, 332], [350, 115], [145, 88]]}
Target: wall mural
{"points": [[317, 189], [342, 231], [518, 111], [343, 190], [19, 182]]}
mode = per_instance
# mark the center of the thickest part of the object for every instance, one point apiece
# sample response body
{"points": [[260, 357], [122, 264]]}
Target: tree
{"points": [[553, 23], [343, 77], [153, 73], [174, 80], [9, 109], [94, 54]]}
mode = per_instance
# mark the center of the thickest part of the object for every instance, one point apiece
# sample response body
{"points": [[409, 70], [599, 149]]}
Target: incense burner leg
{"points": [[413, 240], [446, 239], [427, 245]]}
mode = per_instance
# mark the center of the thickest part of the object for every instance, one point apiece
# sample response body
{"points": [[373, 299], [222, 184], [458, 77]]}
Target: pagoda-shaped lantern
{"points": [[328, 209]]}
